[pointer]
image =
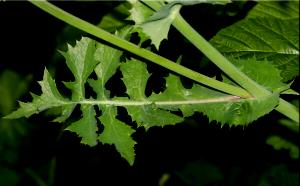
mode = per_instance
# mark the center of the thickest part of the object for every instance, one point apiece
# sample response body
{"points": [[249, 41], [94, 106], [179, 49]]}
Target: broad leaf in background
{"points": [[12, 87], [12, 132], [262, 72], [270, 35], [279, 175], [115, 20], [275, 9]]}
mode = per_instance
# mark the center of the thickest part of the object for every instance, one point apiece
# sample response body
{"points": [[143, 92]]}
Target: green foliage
{"points": [[279, 143], [200, 173], [12, 132], [272, 34], [12, 87], [87, 55], [260, 71], [279, 175], [254, 53], [276, 9]]}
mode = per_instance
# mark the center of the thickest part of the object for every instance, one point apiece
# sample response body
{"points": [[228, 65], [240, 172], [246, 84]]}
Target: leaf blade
{"points": [[86, 127], [248, 38], [117, 133]]}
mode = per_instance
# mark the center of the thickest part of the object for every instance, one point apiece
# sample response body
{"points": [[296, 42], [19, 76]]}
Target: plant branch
{"points": [[146, 54]]}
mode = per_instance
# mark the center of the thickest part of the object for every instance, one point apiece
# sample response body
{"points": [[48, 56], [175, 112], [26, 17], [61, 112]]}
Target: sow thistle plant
{"points": [[258, 54]]}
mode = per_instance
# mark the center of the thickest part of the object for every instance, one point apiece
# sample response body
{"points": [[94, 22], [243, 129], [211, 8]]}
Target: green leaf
{"points": [[135, 77], [279, 143], [243, 112], [217, 106], [260, 72], [12, 86], [155, 110], [81, 62], [291, 92], [115, 19], [139, 13], [109, 62], [290, 124], [271, 38], [117, 133], [50, 98], [275, 9], [86, 127], [158, 28], [65, 114]]}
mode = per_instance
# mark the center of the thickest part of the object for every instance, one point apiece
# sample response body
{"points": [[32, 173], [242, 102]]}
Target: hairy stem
{"points": [[159, 103], [146, 54]]}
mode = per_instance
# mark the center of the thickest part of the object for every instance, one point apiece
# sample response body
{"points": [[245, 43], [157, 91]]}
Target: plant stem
{"points": [[224, 64], [288, 110], [146, 54]]}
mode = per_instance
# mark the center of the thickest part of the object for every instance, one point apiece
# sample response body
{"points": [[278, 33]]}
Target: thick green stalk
{"points": [[224, 64], [146, 54]]}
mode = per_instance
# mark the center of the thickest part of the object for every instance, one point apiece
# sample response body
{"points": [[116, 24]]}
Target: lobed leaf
{"points": [[80, 60], [135, 77], [117, 133], [156, 110], [86, 127], [50, 98], [216, 106]]}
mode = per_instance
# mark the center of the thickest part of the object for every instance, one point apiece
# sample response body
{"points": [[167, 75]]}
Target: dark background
{"points": [[230, 156]]}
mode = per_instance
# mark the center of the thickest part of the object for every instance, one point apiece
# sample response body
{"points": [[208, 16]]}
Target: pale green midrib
{"points": [[158, 103], [146, 54]]}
